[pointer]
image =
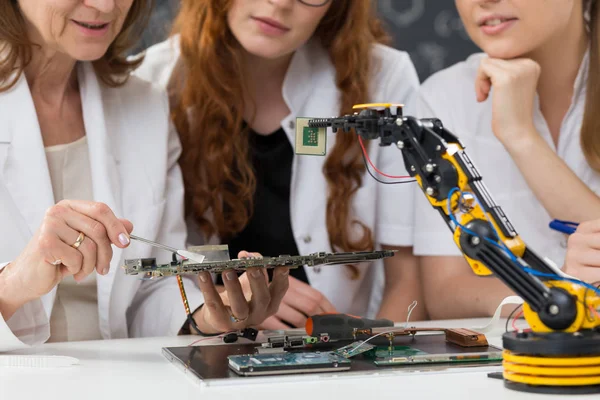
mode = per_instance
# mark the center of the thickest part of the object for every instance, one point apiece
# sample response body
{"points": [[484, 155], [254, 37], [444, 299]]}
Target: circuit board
{"points": [[286, 363], [150, 269], [402, 355]]}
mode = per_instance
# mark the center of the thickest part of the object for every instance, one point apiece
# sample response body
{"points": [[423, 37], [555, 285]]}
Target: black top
{"points": [[269, 231]]}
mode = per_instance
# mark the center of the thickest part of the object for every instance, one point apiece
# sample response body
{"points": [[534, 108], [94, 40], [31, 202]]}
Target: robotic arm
{"points": [[436, 159]]}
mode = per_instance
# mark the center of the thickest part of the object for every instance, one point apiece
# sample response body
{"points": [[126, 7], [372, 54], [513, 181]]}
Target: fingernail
{"points": [[255, 273], [230, 276], [123, 239], [203, 278], [105, 271], [285, 272]]}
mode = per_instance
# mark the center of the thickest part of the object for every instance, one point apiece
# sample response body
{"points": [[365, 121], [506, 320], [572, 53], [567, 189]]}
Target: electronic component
{"points": [[275, 342], [249, 333], [230, 337], [341, 326], [322, 338], [150, 269], [298, 341], [310, 140], [466, 337], [354, 349], [269, 350], [246, 333], [287, 363]]}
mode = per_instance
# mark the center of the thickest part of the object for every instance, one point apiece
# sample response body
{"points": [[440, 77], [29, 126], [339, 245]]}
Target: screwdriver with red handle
{"points": [[341, 326]]}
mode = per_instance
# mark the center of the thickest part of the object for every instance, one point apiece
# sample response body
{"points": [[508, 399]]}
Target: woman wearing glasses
{"points": [[239, 72]]}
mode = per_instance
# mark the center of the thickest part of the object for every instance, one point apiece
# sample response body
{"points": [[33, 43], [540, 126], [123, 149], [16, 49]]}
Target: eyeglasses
{"points": [[314, 3]]}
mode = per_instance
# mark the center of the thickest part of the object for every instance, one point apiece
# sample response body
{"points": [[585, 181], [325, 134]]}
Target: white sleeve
{"points": [[395, 221], [157, 309], [29, 326], [432, 237]]}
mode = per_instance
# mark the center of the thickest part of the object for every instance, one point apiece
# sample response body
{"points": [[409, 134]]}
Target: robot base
{"points": [[552, 363]]}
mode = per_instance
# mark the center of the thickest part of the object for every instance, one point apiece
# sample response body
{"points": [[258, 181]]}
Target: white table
{"points": [[136, 369]]}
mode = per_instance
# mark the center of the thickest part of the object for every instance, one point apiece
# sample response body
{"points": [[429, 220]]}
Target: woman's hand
{"points": [[74, 239], [300, 302], [514, 84], [583, 252], [240, 305]]}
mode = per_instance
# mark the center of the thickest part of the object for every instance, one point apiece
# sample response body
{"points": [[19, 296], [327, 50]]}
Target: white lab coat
{"points": [[310, 90], [133, 157]]}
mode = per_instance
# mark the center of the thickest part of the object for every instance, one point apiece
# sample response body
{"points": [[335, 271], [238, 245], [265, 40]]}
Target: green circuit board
{"points": [[286, 363], [150, 269]]}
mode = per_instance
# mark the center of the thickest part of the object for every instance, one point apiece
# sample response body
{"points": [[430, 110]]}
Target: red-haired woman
{"points": [[239, 72]]}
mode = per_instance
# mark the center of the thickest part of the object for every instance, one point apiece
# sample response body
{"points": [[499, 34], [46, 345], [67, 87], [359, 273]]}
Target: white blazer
{"points": [[133, 157], [309, 90]]}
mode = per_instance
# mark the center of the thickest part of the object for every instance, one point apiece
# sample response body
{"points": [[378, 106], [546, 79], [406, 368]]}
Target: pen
{"points": [[566, 227]]}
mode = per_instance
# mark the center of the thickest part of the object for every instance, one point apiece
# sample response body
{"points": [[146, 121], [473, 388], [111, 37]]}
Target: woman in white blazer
{"points": [[75, 129], [527, 112], [238, 77]]}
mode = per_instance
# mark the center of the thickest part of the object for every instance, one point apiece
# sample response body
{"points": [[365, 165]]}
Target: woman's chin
{"points": [[267, 52], [87, 54], [505, 51]]}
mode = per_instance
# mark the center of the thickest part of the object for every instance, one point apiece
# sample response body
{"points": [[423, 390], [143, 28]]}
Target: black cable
{"points": [[192, 324], [379, 180], [511, 315]]}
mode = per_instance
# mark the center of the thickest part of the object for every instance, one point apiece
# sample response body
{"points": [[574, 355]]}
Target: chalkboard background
{"points": [[429, 30]]}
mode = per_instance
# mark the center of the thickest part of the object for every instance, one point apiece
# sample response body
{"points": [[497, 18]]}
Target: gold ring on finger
{"points": [[80, 239], [236, 319]]}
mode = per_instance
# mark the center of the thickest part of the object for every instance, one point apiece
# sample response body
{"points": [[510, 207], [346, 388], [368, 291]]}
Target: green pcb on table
{"points": [[400, 355]]}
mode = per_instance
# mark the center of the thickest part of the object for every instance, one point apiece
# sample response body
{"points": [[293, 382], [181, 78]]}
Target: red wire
{"points": [[374, 167], [515, 320]]}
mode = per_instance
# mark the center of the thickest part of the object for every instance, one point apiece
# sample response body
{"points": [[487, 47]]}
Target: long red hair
{"points": [[207, 108]]}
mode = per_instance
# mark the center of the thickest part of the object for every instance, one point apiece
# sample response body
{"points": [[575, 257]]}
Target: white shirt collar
{"points": [[310, 68], [579, 87]]}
